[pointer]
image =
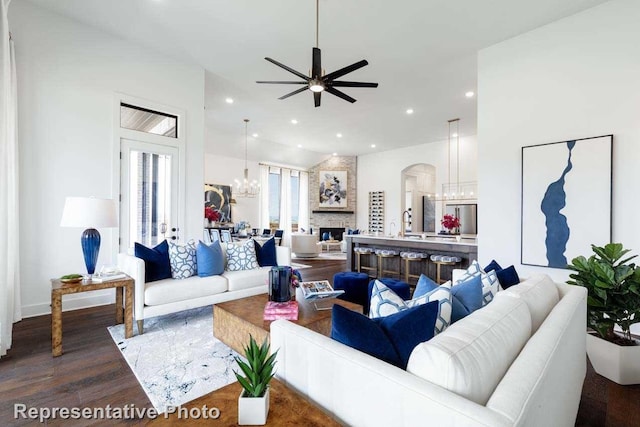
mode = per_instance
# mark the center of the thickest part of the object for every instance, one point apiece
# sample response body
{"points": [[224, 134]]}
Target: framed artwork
{"points": [[219, 198], [566, 200], [333, 189]]}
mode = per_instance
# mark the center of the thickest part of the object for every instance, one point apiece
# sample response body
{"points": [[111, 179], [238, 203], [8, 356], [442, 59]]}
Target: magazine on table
{"points": [[319, 289]]}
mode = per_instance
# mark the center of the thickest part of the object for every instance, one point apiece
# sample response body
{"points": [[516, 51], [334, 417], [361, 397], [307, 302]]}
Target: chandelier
{"points": [[455, 190], [245, 188]]}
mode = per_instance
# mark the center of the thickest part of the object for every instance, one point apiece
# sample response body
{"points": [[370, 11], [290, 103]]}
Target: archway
{"points": [[418, 181]]}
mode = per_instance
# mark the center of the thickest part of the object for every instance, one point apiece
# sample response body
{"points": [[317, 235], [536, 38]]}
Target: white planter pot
{"points": [[620, 364], [253, 411]]}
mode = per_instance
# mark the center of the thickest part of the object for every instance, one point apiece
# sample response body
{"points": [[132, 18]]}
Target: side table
{"points": [[122, 286]]}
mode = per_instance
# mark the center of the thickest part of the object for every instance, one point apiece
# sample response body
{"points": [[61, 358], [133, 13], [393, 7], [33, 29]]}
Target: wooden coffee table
{"points": [[286, 408], [234, 321]]}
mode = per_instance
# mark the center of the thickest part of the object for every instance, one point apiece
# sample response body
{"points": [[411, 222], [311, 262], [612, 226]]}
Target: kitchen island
{"points": [[466, 249]]}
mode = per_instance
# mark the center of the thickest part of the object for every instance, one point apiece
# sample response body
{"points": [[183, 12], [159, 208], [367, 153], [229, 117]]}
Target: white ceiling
{"points": [[421, 52]]}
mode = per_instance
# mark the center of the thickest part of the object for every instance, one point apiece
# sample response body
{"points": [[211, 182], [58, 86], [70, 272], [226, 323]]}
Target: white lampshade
{"points": [[89, 212]]}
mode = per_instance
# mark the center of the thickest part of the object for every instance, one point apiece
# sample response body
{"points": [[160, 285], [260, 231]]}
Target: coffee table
{"points": [[286, 408], [234, 321]]}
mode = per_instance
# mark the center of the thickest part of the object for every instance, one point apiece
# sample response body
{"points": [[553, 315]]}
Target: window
{"points": [[148, 121], [274, 198], [295, 200]]}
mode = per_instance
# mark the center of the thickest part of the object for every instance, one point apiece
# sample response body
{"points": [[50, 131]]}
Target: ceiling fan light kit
{"points": [[317, 82]]}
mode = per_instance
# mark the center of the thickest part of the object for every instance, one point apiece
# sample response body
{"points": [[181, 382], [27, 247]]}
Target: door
{"points": [[149, 193]]}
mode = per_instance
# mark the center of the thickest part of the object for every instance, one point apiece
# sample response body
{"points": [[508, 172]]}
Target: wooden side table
{"points": [[58, 289]]}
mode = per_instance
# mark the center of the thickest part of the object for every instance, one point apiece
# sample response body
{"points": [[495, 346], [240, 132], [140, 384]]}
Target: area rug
{"points": [[299, 266], [177, 358], [333, 255]]}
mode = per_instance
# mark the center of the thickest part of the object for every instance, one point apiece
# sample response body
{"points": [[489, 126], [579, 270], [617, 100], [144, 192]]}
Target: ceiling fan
{"points": [[317, 82]]}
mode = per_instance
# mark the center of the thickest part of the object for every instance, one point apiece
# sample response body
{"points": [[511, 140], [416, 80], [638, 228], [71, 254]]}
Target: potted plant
{"points": [[451, 223], [211, 215], [253, 403], [613, 285]]}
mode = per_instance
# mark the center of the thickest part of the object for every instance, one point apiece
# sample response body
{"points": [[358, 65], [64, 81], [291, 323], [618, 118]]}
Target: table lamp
{"points": [[89, 213]]}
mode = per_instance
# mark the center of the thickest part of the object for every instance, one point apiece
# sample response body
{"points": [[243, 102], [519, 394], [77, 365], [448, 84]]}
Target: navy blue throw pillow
{"points": [[359, 332], [466, 297], [156, 261], [493, 265], [409, 328], [508, 277], [266, 253]]}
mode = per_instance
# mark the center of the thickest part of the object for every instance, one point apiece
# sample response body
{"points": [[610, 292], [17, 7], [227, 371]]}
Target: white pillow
{"points": [[242, 257], [385, 302], [183, 260], [490, 283]]}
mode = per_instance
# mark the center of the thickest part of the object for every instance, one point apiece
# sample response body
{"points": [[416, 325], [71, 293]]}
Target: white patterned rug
{"points": [[177, 358], [333, 255]]}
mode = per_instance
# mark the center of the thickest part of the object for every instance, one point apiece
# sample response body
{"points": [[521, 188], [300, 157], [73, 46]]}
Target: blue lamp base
{"points": [[90, 241]]}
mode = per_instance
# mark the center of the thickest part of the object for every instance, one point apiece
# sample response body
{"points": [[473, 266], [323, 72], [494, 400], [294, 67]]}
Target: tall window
{"points": [[286, 197], [274, 198], [295, 200]]}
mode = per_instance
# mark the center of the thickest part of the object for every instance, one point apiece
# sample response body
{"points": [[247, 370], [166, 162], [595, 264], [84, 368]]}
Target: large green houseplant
{"points": [[613, 285]]}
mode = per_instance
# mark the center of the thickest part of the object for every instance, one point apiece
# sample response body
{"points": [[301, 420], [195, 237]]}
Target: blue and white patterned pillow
{"points": [[490, 283], [183, 260], [385, 302], [242, 257]]}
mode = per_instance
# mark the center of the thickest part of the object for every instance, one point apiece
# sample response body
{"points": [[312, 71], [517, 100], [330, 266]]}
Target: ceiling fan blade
{"points": [[316, 64], [346, 70], [339, 94], [291, 70], [316, 98], [302, 89], [283, 83], [338, 83]]}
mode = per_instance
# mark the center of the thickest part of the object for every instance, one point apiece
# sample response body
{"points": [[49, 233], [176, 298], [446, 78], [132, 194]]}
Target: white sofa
{"points": [[173, 295], [519, 361]]}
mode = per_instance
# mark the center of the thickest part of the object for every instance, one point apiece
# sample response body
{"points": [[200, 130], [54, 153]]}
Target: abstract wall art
{"points": [[566, 200], [219, 198], [333, 189]]}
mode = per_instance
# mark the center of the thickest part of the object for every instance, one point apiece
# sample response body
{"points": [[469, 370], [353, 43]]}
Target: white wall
{"points": [[67, 76], [224, 170], [382, 172], [578, 77]]}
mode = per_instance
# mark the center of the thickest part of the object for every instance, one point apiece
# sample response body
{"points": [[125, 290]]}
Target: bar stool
{"points": [[384, 256], [440, 260], [359, 252], [412, 258]]}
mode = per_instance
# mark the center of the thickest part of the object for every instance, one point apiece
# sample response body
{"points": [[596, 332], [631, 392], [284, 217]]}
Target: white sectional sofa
{"points": [[519, 361], [173, 295]]}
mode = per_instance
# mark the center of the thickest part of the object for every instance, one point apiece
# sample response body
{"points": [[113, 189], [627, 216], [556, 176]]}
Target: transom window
{"points": [[148, 121]]}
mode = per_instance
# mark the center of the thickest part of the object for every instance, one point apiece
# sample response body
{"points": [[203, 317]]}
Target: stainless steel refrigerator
{"points": [[468, 215]]}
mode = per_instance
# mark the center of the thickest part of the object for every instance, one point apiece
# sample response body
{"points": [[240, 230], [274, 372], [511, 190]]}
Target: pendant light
{"points": [[245, 188]]}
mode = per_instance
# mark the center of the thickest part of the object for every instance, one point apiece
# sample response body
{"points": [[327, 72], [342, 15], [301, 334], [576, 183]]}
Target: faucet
{"points": [[405, 222]]}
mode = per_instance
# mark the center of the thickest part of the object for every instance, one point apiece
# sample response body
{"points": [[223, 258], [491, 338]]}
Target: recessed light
{"points": [[455, 135], [299, 145], [335, 154], [255, 135], [229, 100], [294, 121], [469, 94], [373, 145], [339, 135], [409, 110]]}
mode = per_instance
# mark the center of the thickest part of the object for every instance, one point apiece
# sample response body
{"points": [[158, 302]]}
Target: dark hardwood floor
{"points": [[92, 374]]}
